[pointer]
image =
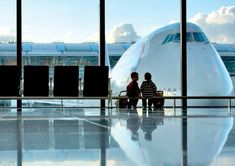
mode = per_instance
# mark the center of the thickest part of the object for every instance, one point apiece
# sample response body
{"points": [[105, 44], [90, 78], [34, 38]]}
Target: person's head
{"points": [[147, 76], [134, 76]]}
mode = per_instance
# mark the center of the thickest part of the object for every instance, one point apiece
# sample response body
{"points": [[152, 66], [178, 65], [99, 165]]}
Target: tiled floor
{"points": [[79, 136]]}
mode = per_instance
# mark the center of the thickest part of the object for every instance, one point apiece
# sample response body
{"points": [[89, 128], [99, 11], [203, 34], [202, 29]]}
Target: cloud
{"points": [[7, 35], [93, 38], [218, 25], [122, 33]]}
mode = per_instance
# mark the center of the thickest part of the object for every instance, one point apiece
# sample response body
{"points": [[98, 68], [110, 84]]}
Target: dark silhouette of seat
{"points": [[36, 80], [95, 81], [66, 80], [9, 81]]}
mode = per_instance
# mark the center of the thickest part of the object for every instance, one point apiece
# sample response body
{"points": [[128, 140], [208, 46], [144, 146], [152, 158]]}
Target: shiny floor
{"points": [[87, 137]]}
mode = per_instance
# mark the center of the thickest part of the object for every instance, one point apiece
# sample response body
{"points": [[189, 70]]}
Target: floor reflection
{"points": [[77, 137]]}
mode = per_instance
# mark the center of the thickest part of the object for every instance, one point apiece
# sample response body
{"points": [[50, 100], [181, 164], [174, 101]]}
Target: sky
{"points": [[75, 21]]}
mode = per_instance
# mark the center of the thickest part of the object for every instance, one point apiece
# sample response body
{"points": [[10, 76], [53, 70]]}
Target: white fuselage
{"points": [[206, 73]]}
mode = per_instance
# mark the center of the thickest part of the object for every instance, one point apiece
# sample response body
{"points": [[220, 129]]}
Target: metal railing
{"points": [[110, 98]]}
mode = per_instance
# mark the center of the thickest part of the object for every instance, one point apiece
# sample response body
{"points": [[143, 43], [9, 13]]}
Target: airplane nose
{"points": [[210, 84]]}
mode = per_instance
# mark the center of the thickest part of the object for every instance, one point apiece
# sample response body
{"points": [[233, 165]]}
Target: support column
{"points": [[184, 124], [102, 44], [183, 30], [19, 47], [102, 63]]}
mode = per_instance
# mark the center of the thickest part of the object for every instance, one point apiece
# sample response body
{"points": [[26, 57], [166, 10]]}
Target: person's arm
{"points": [[142, 86], [128, 89], [154, 88], [138, 89]]}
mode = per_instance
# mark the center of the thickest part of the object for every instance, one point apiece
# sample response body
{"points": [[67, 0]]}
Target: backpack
{"points": [[160, 102]]}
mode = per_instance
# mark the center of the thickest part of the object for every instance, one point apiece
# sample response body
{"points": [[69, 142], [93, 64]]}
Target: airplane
{"points": [[159, 54]]}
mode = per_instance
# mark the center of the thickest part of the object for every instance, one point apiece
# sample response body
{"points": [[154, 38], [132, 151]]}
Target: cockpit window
{"points": [[190, 36], [177, 37], [170, 38], [199, 37], [167, 37]]}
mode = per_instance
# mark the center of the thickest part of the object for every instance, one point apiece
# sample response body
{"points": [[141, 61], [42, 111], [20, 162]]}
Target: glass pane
{"points": [[60, 33], [141, 25], [205, 19], [8, 52], [216, 26], [147, 27], [8, 32]]}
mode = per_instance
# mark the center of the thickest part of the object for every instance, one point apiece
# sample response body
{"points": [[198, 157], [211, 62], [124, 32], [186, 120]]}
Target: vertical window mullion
{"points": [[19, 47]]}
